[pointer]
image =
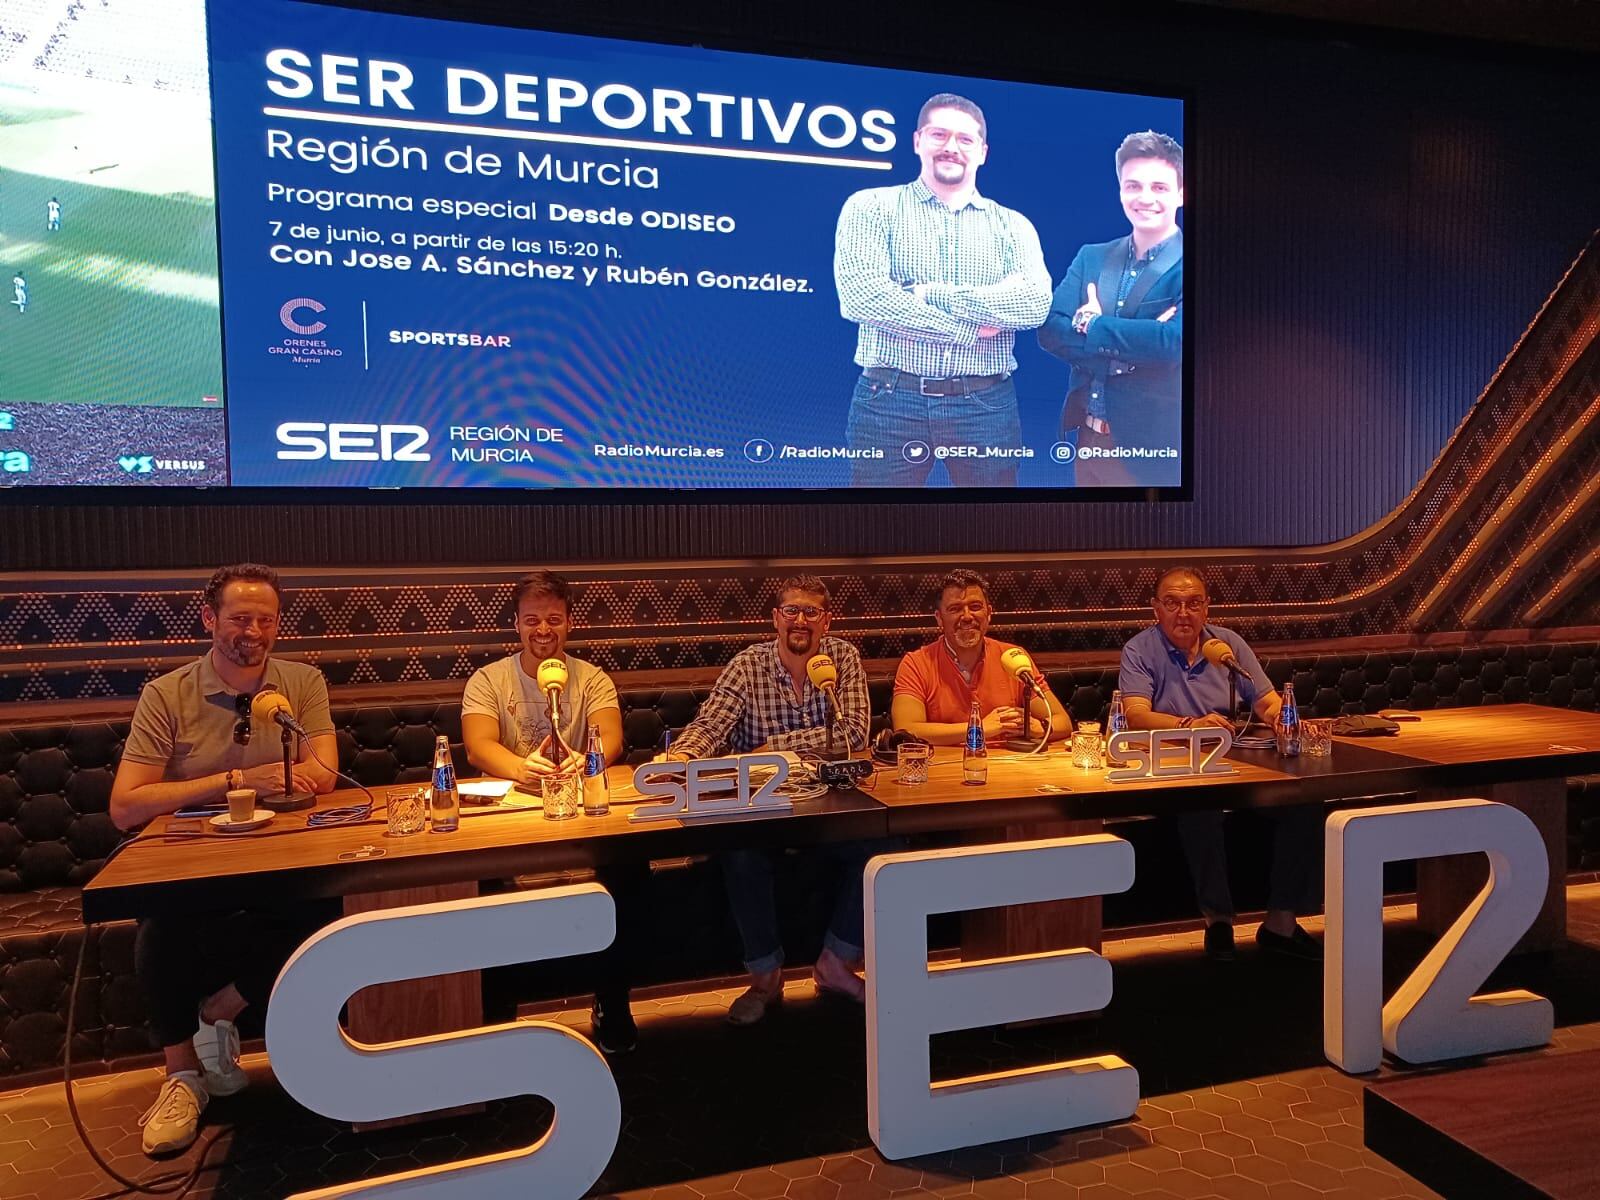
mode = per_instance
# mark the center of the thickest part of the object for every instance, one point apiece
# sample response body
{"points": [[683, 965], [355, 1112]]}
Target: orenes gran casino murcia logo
{"points": [[300, 317], [288, 314]]}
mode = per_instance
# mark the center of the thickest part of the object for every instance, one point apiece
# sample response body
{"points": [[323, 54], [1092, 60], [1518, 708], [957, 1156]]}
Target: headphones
{"points": [[889, 741]]}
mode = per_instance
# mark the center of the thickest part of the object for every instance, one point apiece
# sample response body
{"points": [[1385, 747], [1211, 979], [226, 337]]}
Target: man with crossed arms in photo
{"points": [[940, 279], [505, 724], [200, 971], [1117, 319], [935, 686], [1168, 683], [764, 700]]}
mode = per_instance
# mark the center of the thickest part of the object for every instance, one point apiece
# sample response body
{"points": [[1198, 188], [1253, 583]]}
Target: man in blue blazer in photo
{"points": [[1117, 319]]}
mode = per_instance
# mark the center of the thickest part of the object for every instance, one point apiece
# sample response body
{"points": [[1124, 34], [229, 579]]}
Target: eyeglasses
{"points": [[1188, 604], [794, 612], [935, 136], [241, 711]]}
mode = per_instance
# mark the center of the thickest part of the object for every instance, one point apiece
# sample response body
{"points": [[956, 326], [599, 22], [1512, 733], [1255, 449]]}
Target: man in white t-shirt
{"points": [[505, 723]]}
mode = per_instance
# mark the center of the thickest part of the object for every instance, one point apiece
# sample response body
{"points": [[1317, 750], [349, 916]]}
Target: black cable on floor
{"points": [[170, 1183]]}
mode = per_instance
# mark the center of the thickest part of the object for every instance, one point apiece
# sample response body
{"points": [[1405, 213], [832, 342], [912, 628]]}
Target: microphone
{"points": [[552, 675], [1020, 667], [822, 673], [839, 773], [1219, 654], [271, 706], [824, 677], [552, 678]]}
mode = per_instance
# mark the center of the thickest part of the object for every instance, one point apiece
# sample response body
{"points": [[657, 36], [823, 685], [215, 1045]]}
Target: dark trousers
{"points": [[182, 960], [1296, 878], [611, 970], [616, 965]]}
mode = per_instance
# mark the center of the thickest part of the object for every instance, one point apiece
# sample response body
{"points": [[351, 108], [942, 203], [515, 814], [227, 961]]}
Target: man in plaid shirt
{"points": [[764, 700], [940, 279]]}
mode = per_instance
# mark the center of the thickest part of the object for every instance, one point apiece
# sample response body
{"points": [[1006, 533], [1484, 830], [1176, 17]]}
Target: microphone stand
{"points": [[553, 711], [291, 800], [827, 724], [1025, 742]]}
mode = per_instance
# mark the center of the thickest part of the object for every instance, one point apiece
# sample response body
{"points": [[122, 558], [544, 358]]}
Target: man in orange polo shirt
{"points": [[936, 685]]}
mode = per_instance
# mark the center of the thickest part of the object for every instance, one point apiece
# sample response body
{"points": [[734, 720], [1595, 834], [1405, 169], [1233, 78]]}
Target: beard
{"points": [[241, 653], [801, 641]]}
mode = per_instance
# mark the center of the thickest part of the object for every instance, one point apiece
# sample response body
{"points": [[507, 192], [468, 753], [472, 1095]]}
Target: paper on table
{"points": [[494, 788]]}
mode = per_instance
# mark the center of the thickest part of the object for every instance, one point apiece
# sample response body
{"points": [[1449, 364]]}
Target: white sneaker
{"points": [[172, 1123], [218, 1048]]}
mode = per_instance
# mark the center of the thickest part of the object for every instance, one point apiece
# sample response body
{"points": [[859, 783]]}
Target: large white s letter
{"points": [[320, 1066]]}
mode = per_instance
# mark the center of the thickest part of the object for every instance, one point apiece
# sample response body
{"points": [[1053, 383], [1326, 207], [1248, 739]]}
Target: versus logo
{"points": [[286, 314], [136, 464], [353, 442]]}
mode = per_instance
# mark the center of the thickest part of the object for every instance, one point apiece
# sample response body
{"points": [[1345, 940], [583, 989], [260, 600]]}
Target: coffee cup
{"points": [[241, 806]]}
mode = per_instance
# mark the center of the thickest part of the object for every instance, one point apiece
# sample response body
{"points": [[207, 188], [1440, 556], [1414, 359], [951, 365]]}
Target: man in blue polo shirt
{"points": [[1167, 683]]}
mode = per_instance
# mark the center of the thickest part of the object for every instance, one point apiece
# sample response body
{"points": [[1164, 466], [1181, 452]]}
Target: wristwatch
{"points": [[234, 779]]}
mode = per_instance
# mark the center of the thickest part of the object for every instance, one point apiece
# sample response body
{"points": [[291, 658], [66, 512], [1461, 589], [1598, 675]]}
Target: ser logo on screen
{"points": [[353, 442]]}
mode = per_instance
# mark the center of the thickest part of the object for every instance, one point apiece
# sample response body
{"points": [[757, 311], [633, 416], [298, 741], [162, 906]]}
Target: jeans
{"points": [[1295, 883], [911, 429], [748, 875]]}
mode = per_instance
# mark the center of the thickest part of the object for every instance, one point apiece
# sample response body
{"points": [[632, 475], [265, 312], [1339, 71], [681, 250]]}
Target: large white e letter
{"points": [[324, 1069], [908, 1000], [1434, 1014]]}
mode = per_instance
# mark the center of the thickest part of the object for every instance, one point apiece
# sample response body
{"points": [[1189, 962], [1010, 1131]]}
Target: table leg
{"points": [[393, 1012], [1030, 928], [1445, 886]]}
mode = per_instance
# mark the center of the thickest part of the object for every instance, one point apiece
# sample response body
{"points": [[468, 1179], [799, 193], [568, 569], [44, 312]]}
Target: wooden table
{"points": [[175, 867], [1511, 1130], [1518, 753]]}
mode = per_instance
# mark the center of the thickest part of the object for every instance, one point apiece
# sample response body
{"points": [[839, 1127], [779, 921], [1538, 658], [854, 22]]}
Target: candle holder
{"points": [[1087, 746]]}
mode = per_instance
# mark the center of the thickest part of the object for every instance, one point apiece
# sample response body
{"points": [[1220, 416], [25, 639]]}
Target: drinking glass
{"points": [[1087, 746], [563, 795], [407, 811], [1316, 738], [912, 758]]}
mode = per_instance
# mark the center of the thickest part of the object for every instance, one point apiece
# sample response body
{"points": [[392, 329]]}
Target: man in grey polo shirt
{"points": [[192, 740], [505, 723], [1167, 683]]}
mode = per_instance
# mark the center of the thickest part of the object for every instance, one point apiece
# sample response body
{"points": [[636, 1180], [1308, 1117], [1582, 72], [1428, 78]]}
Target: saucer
{"points": [[221, 823]]}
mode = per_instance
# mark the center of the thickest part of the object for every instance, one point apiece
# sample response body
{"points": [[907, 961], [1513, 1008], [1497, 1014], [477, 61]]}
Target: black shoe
{"points": [[611, 1023], [1299, 944], [1219, 941]]}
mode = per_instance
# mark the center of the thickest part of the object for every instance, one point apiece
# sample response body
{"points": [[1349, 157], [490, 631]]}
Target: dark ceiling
{"points": [[1557, 24]]}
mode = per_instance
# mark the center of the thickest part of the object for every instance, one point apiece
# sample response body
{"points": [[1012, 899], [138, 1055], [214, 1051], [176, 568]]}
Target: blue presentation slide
{"points": [[461, 256]]}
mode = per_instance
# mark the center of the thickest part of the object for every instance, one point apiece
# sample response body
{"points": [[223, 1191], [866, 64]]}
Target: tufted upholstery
{"points": [[55, 785]]}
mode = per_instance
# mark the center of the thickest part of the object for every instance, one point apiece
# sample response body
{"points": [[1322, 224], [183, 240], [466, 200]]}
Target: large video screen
{"points": [[110, 357], [462, 256]]}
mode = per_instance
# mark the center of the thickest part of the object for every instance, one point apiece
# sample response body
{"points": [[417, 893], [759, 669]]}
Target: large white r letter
{"points": [[1434, 1015], [908, 1000], [320, 1066]]}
